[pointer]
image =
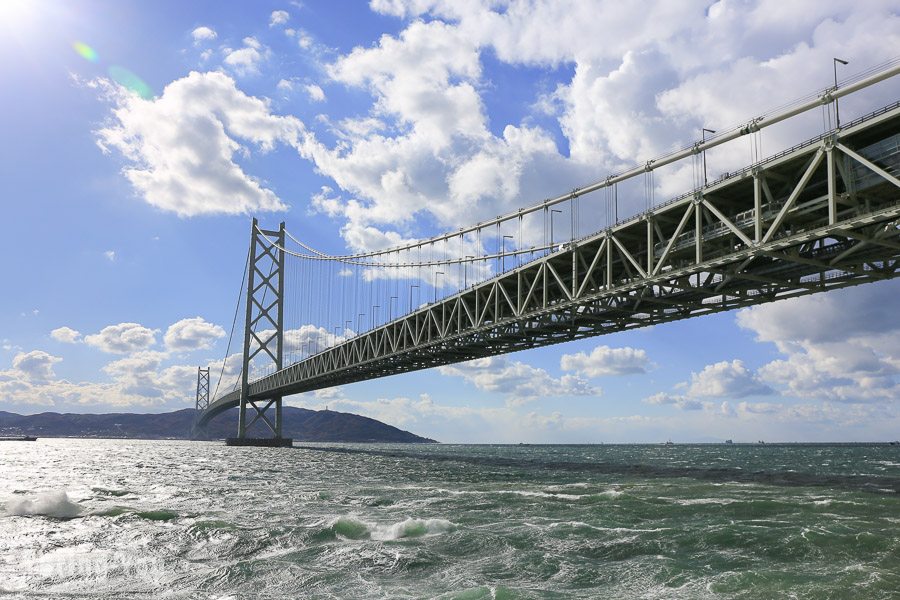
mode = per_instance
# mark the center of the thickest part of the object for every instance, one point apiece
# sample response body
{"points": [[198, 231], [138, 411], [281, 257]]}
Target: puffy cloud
{"points": [[278, 17], [246, 60], [841, 346], [726, 380], [123, 338], [426, 137], [640, 87], [65, 334], [201, 34], [315, 92], [517, 381], [141, 375], [180, 145], [822, 318], [140, 379], [192, 334], [17, 391], [680, 402], [35, 366], [604, 360], [720, 380]]}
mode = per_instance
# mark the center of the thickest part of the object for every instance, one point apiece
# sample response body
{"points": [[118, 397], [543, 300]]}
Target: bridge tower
{"points": [[202, 389], [202, 403], [263, 332]]}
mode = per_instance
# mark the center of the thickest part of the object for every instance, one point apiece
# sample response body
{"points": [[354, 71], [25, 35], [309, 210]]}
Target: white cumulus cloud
{"points": [[315, 92], [841, 346], [180, 146], [278, 17], [604, 360], [192, 334], [726, 380], [246, 60], [35, 366], [203, 33], [518, 382], [65, 334], [123, 338]]}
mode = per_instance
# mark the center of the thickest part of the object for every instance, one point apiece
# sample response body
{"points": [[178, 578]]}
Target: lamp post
{"points": [[436, 273], [348, 323], [837, 112], [358, 321], [374, 314], [503, 250], [410, 296], [391, 306], [703, 135], [552, 210]]}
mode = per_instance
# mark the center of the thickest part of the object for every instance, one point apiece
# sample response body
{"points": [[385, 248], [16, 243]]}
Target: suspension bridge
{"points": [[821, 215]]}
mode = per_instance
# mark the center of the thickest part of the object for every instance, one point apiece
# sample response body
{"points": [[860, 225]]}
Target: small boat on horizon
{"points": [[19, 438]]}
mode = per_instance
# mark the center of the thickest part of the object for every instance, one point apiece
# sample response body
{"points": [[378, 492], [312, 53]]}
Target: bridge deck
{"points": [[820, 216]]}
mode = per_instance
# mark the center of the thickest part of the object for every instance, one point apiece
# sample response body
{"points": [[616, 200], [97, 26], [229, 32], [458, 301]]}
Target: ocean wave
{"points": [[48, 504], [352, 528]]}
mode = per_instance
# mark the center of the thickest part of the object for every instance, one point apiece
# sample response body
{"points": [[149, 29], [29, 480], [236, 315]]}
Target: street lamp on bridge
{"points": [[552, 210], [703, 136], [436, 273], [391, 306], [503, 250], [410, 296], [837, 112]]}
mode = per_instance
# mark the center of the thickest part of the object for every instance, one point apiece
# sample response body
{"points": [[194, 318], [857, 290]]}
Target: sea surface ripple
{"points": [[133, 519]]}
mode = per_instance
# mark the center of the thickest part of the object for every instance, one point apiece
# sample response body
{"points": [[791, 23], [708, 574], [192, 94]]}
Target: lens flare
{"points": [[130, 81], [85, 51]]}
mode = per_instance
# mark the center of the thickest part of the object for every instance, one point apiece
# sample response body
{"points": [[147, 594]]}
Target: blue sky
{"points": [[131, 165]]}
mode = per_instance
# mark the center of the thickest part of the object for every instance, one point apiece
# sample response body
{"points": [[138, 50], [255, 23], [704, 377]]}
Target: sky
{"points": [[140, 138]]}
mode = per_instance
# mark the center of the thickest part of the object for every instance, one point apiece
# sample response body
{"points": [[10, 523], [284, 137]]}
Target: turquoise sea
{"points": [[170, 519]]}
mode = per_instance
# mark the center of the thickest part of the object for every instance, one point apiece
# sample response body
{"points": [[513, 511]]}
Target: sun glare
{"points": [[16, 13]]}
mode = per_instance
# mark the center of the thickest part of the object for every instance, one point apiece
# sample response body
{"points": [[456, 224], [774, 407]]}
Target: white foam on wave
{"points": [[718, 501], [582, 524], [49, 504], [413, 528], [354, 528], [551, 493]]}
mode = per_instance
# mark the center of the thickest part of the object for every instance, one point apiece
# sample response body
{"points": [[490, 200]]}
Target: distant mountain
{"points": [[298, 423]]}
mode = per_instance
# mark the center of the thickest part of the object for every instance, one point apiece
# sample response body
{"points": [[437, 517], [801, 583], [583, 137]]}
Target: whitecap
{"points": [[413, 528], [49, 504]]}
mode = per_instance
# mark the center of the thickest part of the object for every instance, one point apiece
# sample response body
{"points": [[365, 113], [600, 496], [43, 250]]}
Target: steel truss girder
{"points": [[795, 225]]}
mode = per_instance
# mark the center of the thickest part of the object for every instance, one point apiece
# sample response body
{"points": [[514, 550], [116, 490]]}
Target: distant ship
{"points": [[728, 442], [21, 438]]}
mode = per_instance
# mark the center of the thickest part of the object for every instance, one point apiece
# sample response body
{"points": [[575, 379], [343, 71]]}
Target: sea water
{"points": [[171, 519]]}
